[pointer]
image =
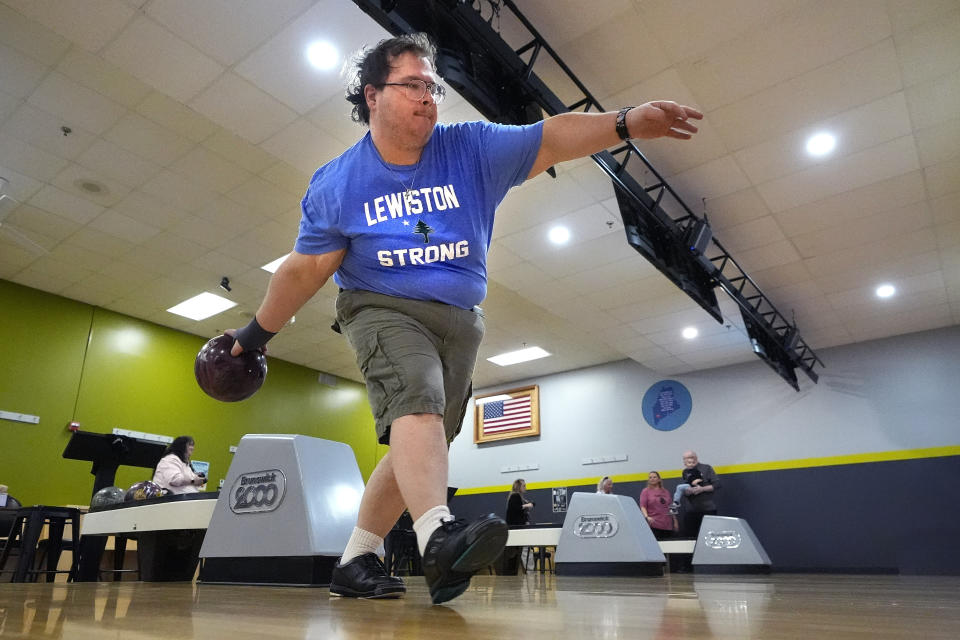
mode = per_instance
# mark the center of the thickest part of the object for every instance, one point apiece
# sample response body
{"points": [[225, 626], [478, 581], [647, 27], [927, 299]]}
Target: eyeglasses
{"points": [[416, 89]]}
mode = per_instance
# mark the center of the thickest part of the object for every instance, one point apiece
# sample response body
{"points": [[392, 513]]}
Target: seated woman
{"points": [[174, 472]]}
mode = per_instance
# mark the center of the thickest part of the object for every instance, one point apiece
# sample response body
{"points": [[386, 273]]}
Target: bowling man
{"points": [[402, 221]]}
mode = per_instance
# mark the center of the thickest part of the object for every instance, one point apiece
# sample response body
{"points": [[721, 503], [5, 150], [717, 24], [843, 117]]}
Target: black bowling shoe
{"points": [[365, 577], [457, 550]]}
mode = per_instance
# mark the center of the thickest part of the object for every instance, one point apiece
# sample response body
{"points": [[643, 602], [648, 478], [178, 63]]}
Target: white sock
{"points": [[428, 523], [360, 542]]}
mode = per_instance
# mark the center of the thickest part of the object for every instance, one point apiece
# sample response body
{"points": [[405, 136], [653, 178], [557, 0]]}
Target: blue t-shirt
{"points": [[432, 244]]}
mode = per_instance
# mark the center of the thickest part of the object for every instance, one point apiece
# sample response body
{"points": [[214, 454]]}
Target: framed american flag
{"points": [[507, 414]]}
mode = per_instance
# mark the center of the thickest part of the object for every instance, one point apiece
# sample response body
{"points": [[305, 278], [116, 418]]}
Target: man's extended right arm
{"points": [[299, 277]]}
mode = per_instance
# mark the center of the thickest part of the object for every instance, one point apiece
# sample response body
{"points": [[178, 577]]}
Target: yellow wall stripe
{"points": [[777, 465]]}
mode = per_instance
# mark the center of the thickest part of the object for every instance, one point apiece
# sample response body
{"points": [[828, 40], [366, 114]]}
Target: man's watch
{"points": [[622, 123]]}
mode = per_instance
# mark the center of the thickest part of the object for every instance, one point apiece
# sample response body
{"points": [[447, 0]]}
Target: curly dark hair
{"points": [[372, 66]]}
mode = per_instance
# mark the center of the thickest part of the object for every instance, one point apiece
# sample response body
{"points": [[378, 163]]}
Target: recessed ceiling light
{"points": [[273, 266], [559, 235], [886, 290], [690, 333], [202, 306], [821, 144], [322, 55], [516, 357]]}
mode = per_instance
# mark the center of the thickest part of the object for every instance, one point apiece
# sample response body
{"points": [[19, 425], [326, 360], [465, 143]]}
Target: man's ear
{"points": [[370, 95]]}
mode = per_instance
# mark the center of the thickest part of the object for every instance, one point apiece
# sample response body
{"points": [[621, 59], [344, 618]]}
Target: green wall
{"points": [[64, 360]]}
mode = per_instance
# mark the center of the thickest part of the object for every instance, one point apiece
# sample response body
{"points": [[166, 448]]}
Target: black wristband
{"points": [[253, 336], [622, 123]]}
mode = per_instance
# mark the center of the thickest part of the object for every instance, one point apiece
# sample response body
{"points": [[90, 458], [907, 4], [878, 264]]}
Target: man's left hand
{"points": [[662, 118]]}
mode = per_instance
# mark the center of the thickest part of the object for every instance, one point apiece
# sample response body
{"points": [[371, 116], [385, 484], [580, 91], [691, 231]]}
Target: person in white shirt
{"points": [[174, 472], [605, 485]]}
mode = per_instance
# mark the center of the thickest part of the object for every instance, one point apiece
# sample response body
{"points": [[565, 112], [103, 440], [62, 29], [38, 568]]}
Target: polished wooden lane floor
{"points": [[684, 606]]}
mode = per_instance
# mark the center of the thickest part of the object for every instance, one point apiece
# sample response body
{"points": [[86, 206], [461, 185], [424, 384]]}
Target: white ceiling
{"points": [[204, 121]]}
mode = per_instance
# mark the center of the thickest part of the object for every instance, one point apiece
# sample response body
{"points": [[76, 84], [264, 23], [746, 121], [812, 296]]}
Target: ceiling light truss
{"points": [[499, 81]]}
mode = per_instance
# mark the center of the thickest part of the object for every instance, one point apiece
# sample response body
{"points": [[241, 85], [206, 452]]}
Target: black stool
{"points": [[26, 534]]}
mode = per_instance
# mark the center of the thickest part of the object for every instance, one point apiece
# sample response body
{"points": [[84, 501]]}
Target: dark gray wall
{"points": [[889, 517]]}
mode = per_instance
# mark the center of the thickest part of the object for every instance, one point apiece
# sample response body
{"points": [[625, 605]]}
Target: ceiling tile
{"points": [[946, 208], [157, 57], [78, 181], [830, 178], [880, 270], [935, 101], [907, 14], [146, 208], [668, 155], [688, 28], [930, 50], [865, 230], [92, 248], [42, 130], [896, 192], [112, 162], [176, 116], [717, 178], [75, 105], [19, 187], [943, 178], [60, 202], [287, 177], [31, 38], [178, 191], [19, 74], [862, 76], [281, 68], [209, 170], [239, 151], [926, 282], [102, 77], [222, 29], [47, 224], [589, 55], [874, 326], [263, 197], [91, 23], [750, 235], [735, 208], [120, 226], [148, 139], [854, 130], [939, 143], [304, 145], [261, 116], [205, 233], [8, 104], [795, 42], [29, 160], [771, 255], [872, 255]]}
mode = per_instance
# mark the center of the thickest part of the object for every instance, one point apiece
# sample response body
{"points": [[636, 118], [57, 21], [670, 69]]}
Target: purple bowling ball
{"points": [[143, 491], [225, 377]]}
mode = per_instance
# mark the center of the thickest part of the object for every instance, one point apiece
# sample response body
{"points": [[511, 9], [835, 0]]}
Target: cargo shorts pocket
{"points": [[379, 372]]}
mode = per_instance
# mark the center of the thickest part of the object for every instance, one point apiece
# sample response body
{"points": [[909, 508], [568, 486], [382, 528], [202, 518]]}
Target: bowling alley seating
{"points": [[25, 534]]}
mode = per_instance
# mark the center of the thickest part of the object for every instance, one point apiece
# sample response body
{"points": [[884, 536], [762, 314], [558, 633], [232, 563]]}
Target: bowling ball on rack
{"points": [[106, 497], [143, 491], [225, 377]]}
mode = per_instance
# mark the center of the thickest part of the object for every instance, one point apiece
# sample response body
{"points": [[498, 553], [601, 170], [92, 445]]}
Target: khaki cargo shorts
{"points": [[415, 356]]}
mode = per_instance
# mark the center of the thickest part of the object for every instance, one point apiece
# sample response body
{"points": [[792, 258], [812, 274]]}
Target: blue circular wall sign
{"points": [[667, 405]]}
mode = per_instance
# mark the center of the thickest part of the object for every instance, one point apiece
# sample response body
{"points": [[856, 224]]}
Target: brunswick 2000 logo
{"points": [[258, 491], [603, 525]]}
